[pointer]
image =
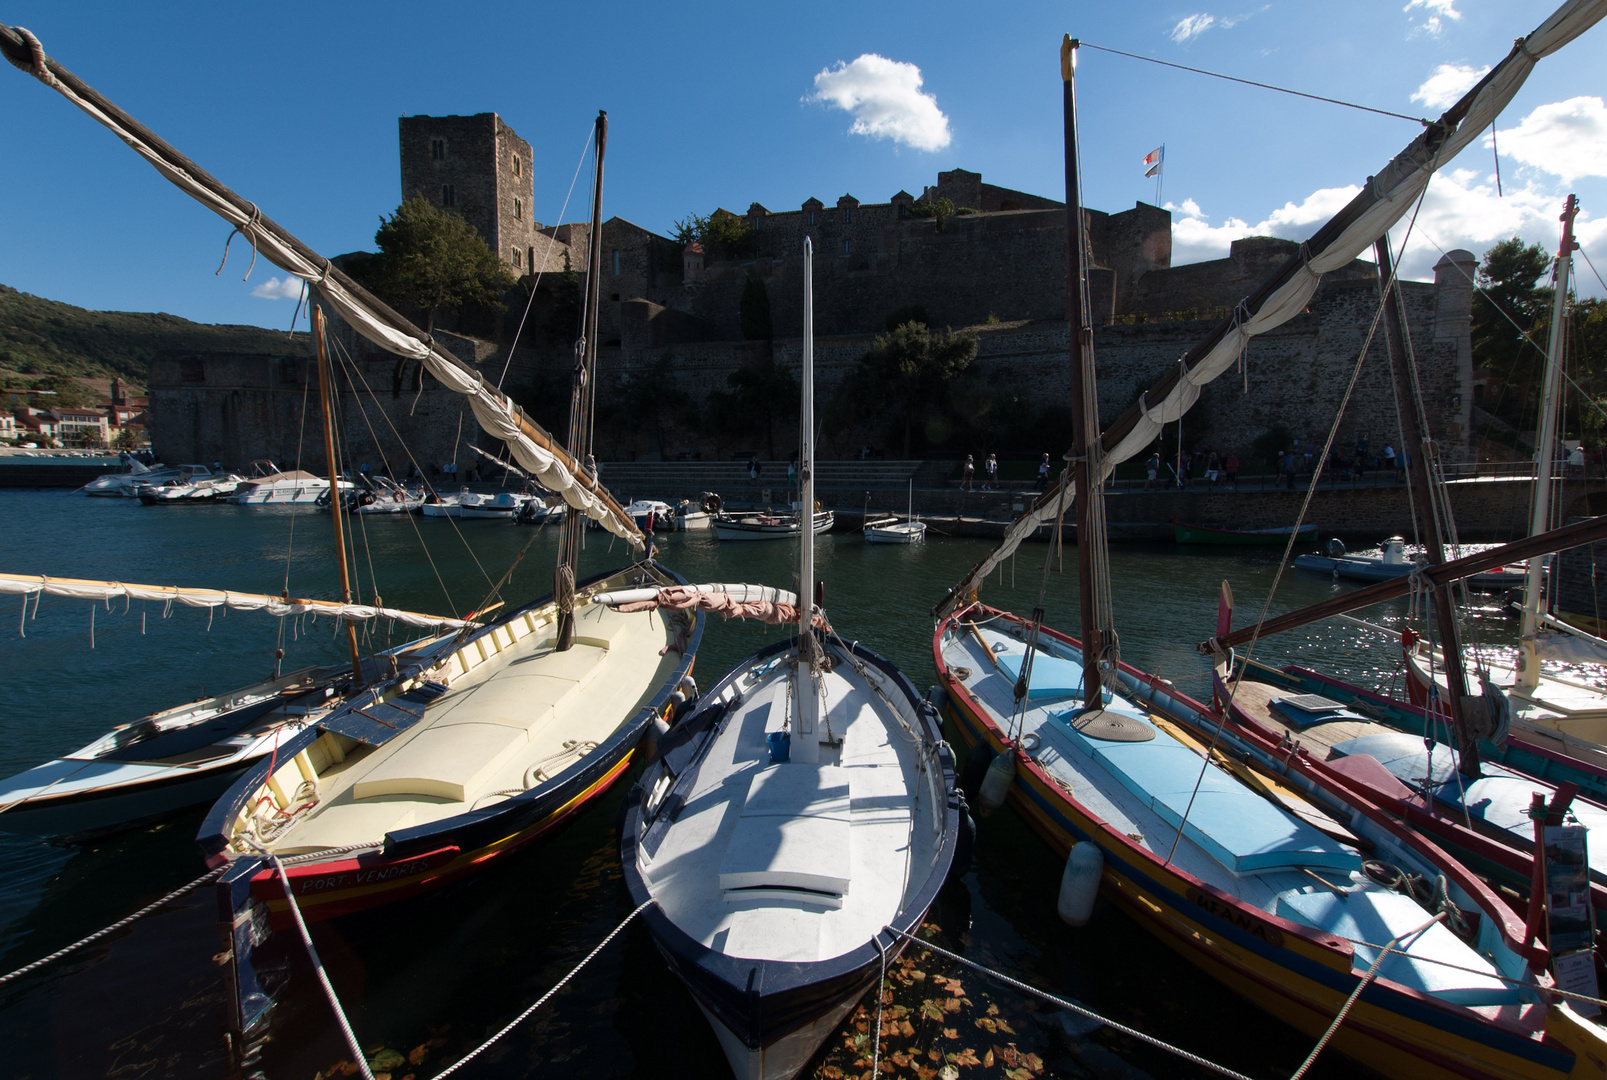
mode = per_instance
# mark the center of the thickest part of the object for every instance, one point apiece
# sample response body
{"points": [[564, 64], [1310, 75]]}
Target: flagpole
{"points": [[1160, 174]]}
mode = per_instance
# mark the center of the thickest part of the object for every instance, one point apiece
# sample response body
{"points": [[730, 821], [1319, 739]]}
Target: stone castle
{"points": [[997, 266]]}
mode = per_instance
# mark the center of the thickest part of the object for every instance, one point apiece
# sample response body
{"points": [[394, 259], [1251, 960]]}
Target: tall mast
{"points": [[1085, 427], [1550, 408], [581, 403], [806, 463], [335, 508], [1416, 438]]}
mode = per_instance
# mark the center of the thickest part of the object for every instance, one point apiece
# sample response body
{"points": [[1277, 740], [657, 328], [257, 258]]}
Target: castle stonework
{"points": [[475, 166]]}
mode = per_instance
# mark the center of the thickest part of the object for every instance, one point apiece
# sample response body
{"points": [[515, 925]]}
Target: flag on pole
{"points": [[1152, 161]]}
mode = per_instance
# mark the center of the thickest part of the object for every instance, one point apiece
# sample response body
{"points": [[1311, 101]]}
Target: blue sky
{"points": [[295, 106]]}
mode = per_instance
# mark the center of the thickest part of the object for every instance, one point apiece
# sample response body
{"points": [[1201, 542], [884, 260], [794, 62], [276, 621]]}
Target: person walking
{"points": [[1043, 474], [1152, 469], [990, 473], [969, 471], [753, 468]]}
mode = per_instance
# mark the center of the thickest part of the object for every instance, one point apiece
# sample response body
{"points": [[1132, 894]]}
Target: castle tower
{"points": [[478, 167]]}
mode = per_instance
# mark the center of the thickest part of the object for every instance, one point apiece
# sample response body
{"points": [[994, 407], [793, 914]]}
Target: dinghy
{"points": [[794, 825]]}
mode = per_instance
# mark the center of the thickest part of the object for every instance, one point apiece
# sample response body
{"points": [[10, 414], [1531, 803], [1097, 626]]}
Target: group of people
{"points": [[990, 473], [1218, 468]]}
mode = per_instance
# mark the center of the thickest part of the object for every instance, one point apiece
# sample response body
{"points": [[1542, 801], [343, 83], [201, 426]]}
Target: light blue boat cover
{"points": [[1500, 797], [1238, 828], [1379, 917], [1052, 677]]}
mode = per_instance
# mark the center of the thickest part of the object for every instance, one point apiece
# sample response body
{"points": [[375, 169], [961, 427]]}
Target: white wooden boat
{"points": [[768, 526], [802, 813], [896, 532], [169, 761]]}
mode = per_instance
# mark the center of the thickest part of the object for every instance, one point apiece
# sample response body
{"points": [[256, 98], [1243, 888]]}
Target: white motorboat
{"points": [[791, 830], [473, 504], [125, 485], [767, 526], [384, 496], [268, 485], [199, 489], [639, 510]]}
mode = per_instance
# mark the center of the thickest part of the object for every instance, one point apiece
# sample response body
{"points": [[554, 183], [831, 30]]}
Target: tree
{"points": [[914, 365], [942, 209], [722, 234], [430, 260], [755, 311], [1510, 305]]}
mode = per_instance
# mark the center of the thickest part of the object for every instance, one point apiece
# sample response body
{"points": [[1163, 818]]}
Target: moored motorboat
{"points": [[1392, 561], [269, 485]]}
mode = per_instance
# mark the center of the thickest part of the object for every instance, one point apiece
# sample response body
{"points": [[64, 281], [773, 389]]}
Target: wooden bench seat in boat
{"points": [[476, 730], [1370, 915], [1238, 828], [793, 837]]}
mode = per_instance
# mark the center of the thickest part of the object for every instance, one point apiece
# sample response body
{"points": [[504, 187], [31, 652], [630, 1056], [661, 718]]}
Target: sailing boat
{"points": [[1270, 895], [908, 531], [1563, 712], [793, 828]]}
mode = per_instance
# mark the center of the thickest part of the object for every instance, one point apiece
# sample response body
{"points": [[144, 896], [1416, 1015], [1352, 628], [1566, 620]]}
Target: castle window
{"points": [[811, 217], [846, 246], [518, 208], [518, 166], [449, 195], [532, 257], [848, 215], [616, 261], [437, 149], [518, 259]]}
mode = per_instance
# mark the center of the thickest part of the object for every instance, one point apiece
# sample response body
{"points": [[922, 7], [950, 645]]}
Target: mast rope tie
{"points": [[542, 1000], [1080, 1010], [36, 65], [114, 927], [249, 231], [1366, 980]]}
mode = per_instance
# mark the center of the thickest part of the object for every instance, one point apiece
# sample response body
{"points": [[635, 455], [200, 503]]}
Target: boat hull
{"points": [[756, 529], [1282, 969], [106, 812], [896, 534]]}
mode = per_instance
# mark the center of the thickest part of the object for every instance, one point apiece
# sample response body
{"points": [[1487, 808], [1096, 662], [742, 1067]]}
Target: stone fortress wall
{"points": [[999, 271]]}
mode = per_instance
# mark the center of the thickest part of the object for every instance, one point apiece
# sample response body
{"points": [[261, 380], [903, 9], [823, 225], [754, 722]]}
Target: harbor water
{"points": [[425, 981]]}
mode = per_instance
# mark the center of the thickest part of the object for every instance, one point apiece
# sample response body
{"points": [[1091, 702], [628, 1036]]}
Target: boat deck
{"points": [[1246, 845], [805, 860], [517, 712]]}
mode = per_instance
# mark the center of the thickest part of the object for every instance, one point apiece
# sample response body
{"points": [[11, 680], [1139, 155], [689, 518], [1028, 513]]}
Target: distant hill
{"points": [[45, 337]]}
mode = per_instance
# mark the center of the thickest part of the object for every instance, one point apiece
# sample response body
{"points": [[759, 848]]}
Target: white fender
{"points": [[1079, 884], [996, 784]]}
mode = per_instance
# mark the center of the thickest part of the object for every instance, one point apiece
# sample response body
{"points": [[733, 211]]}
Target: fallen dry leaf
{"points": [[951, 1033], [417, 1054], [831, 1072], [1022, 1073], [987, 1060], [949, 1072], [986, 1024], [906, 1029], [993, 1010], [952, 1005]]}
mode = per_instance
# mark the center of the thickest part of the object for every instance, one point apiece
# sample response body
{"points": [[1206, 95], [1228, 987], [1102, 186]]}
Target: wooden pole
{"points": [[335, 507], [1415, 438], [1083, 426]]}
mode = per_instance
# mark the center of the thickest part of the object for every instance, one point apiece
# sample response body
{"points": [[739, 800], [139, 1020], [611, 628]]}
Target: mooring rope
{"points": [[114, 927], [542, 1000], [1081, 1010]]}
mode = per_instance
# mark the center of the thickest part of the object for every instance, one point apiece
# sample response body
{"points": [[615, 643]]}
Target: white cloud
{"points": [[1447, 83], [1192, 27], [275, 289], [1436, 12], [1195, 239], [885, 99], [1566, 138]]}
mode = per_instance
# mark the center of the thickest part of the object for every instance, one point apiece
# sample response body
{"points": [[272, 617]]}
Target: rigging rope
{"points": [[1261, 85], [542, 1000], [591, 133], [210, 875], [1069, 1006]]}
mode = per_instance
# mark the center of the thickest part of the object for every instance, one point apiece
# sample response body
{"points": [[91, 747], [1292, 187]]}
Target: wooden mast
{"points": [[1416, 443], [580, 406], [1545, 443], [1084, 427], [335, 507]]}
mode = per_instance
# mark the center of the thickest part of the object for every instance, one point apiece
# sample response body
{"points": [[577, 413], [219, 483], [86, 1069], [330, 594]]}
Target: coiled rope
{"points": [[542, 1000], [1080, 1010], [210, 875]]}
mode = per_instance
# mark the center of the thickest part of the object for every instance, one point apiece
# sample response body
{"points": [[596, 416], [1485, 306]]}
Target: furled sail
{"points": [[533, 448], [86, 589], [1386, 197]]}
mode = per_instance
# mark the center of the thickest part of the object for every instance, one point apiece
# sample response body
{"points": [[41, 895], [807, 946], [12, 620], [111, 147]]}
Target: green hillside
{"points": [[45, 337]]}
